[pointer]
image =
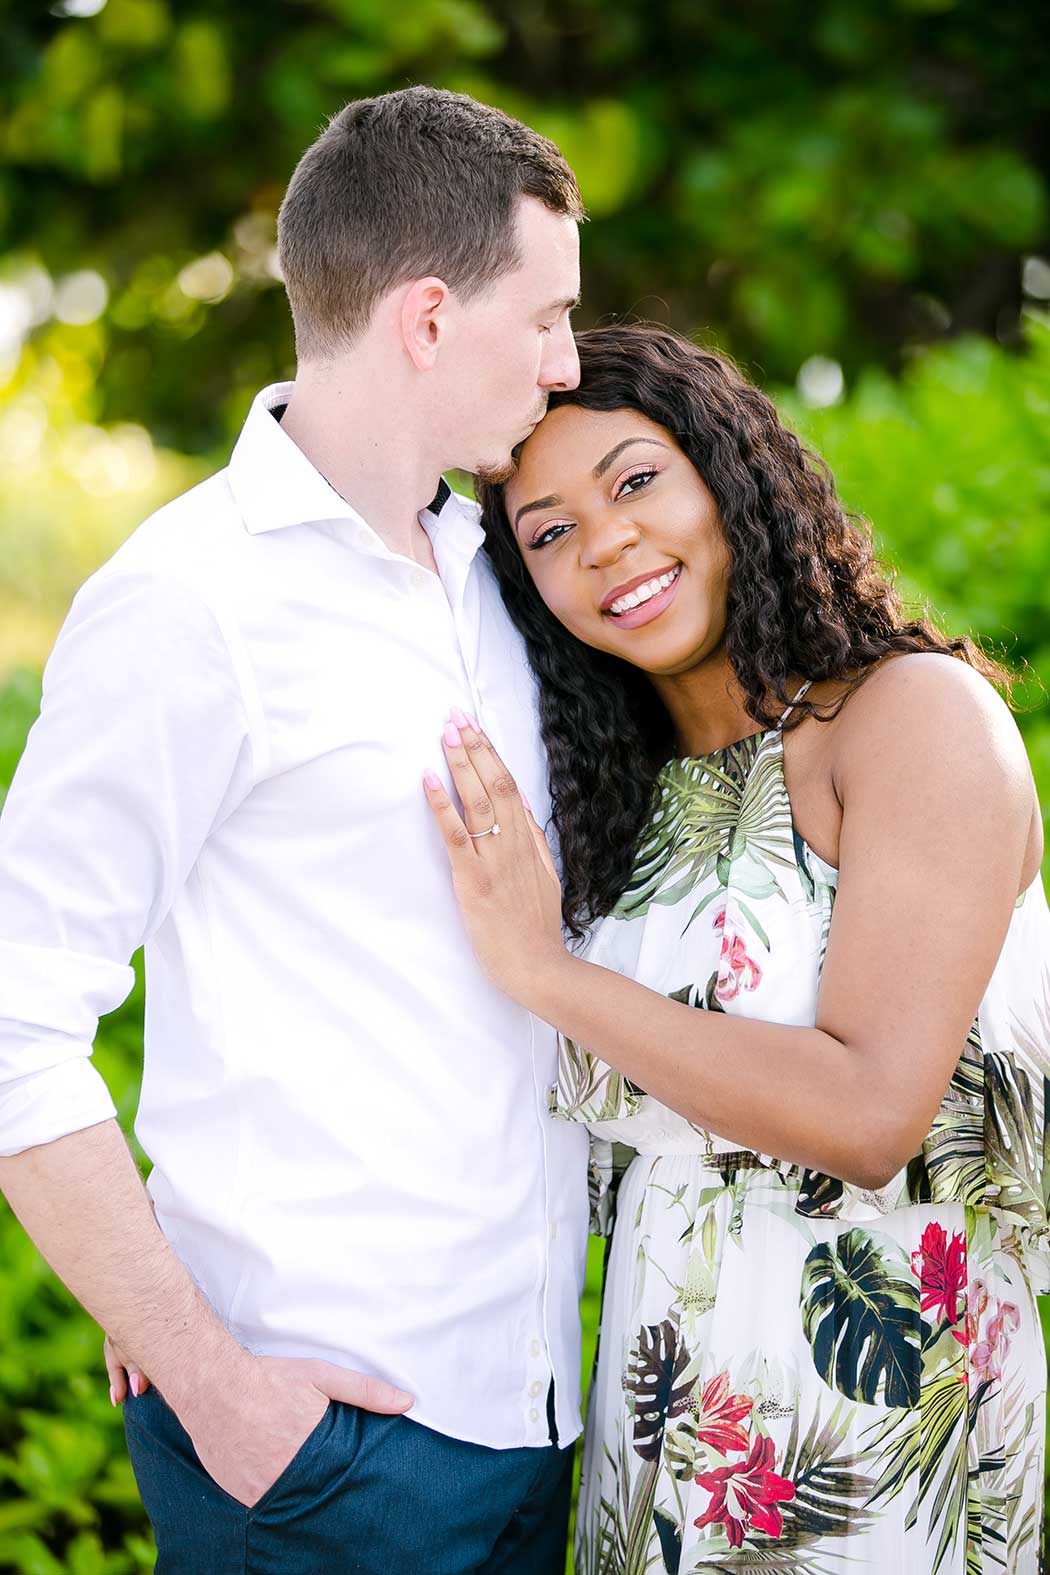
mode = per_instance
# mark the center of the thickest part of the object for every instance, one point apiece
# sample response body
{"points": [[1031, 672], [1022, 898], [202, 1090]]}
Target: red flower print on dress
{"points": [[736, 969], [941, 1267], [721, 1415], [744, 1496]]}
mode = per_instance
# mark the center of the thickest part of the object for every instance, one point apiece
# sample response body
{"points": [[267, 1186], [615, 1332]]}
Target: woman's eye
{"points": [[640, 479], [550, 534]]}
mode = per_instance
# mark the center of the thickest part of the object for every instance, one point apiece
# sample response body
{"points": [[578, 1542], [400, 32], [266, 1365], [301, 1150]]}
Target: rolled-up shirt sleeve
{"points": [[141, 748]]}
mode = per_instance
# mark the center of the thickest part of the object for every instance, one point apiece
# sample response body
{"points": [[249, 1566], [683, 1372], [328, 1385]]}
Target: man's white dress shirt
{"points": [[348, 1125]]}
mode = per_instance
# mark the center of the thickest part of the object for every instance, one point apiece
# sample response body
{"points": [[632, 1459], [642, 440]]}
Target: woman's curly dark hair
{"points": [[806, 596]]}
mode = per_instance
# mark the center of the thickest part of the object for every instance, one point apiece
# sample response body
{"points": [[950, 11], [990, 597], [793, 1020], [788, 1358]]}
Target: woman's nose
{"points": [[604, 540]]}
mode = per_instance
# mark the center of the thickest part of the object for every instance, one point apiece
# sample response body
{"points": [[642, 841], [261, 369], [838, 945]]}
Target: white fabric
{"points": [[347, 1123]]}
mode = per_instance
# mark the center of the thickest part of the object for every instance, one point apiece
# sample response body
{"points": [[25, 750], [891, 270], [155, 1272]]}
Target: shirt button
{"points": [[535, 1389], [534, 1348], [534, 1415], [419, 578], [554, 1229]]}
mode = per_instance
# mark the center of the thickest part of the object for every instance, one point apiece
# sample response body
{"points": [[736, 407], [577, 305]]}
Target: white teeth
{"points": [[644, 593]]}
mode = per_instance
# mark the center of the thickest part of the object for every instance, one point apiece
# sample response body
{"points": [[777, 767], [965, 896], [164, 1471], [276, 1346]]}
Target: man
{"points": [[358, 1194]]}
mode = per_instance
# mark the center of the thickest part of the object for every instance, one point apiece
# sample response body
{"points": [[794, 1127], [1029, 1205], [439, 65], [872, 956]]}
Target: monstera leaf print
{"points": [[860, 1314], [725, 813], [819, 1194], [654, 1378]]}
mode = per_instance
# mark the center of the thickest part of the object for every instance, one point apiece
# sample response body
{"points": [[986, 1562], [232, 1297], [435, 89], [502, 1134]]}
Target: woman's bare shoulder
{"points": [[941, 721], [927, 694]]}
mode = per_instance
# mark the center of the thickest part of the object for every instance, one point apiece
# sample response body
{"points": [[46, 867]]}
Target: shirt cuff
{"points": [[51, 1104]]}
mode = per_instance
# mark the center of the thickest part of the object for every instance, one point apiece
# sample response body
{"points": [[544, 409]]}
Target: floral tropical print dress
{"points": [[795, 1374]]}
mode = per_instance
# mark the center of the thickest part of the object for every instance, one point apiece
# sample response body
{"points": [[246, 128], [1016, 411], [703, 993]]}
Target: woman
{"points": [[807, 987]]}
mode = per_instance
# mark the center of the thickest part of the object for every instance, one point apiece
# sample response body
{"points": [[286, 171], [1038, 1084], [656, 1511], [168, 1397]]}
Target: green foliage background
{"points": [[862, 184]]}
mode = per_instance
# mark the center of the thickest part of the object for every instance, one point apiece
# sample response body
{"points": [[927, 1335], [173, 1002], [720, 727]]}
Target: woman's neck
{"points": [[706, 707]]}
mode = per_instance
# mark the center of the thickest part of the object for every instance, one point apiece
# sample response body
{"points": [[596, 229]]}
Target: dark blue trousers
{"points": [[372, 1495]]}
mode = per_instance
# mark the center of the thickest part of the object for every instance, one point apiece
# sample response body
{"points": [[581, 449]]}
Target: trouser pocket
{"points": [[199, 1528]]}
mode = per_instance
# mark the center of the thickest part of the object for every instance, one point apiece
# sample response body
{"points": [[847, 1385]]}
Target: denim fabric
{"points": [[367, 1494]]}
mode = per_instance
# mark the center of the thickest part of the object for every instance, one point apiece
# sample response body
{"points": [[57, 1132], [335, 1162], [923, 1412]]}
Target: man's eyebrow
{"points": [[562, 306], [614, 453], [598, 472]]}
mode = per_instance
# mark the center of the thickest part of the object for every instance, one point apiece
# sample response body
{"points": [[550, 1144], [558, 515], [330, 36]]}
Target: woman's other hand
{"points": [[123, 1375]]}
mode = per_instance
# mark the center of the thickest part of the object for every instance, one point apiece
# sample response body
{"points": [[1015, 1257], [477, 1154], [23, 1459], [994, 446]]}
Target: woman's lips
{"points": [[634, 617]]}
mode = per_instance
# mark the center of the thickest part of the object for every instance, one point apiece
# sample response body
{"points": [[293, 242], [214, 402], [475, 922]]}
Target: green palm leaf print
{"points": [[951, 1166], [1013, 1141], [831, 1491], [927, 1454], [720, 813]]}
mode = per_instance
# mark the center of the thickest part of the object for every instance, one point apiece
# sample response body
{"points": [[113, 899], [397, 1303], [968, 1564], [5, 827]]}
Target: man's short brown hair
{"points": [[403, 186]]}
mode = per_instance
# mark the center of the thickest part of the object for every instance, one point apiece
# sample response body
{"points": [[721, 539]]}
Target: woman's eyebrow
{"points": [[614, 453], [553, 500], [540, 503]]}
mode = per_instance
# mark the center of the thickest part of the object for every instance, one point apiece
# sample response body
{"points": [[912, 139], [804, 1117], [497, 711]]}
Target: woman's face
{"points": [[622, 538]]}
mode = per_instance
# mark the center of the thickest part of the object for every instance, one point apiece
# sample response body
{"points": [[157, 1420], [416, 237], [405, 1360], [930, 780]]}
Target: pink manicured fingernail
{"points": [[475, 724], [528, 806], [460, 718], [451, 735], [432, 780], [112, 1395], [135, 1382]]}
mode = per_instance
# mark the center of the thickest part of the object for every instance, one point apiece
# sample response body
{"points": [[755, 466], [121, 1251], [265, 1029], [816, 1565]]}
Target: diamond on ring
{"points": [[491, 831]]}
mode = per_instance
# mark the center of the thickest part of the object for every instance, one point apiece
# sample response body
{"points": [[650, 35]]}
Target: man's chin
{"points": [[496, 473]]}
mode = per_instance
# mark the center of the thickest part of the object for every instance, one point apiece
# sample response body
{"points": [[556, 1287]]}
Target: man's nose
{"points": [[561, 365]]}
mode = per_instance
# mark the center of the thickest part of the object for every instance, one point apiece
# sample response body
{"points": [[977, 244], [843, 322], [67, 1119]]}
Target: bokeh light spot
{"points": [[820, 381]]}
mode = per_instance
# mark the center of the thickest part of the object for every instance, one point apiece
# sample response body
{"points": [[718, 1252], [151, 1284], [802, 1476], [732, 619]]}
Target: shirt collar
{"points": [[274, 485]]}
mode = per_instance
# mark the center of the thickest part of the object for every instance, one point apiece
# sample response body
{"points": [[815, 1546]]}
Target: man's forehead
{"points": [[548, 236]]}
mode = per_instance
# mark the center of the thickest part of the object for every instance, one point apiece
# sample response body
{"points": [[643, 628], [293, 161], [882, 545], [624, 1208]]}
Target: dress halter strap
{"points": [[788, 710]]}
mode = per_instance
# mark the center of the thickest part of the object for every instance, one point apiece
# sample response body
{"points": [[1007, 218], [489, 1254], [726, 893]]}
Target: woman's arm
{"points": [[937, 804]]}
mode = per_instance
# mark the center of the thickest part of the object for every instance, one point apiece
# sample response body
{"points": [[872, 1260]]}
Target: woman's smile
{"points": [[642, 600]]}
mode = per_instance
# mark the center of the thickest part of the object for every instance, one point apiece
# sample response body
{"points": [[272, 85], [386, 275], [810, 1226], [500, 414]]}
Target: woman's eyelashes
{"points": [[641, 477], [546, 535], [636, 481]]}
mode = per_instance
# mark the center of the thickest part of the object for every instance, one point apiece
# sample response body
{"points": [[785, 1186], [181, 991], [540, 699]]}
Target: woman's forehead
{"points": [[573, 441]]}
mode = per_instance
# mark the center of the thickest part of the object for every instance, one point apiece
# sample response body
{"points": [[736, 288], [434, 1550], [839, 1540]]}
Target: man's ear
{"points": [[424, 320]]}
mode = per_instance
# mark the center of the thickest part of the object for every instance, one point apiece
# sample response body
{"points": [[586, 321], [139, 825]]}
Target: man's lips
{"points": [[632, 585]]}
